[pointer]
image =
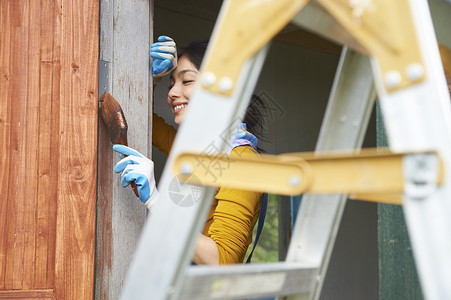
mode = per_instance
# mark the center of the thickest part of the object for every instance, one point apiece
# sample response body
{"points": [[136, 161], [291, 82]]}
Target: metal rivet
{"points": [[225, 84], [186, 168], [209, 79], [414, 71], [392, 79], [295, 180]]}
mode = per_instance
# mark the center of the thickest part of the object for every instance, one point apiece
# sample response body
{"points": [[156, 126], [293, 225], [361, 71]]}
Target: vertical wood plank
{"points": [[30, 129], [19, 110], [75, 243], [21, 20], [104, 238], [47, 173], [5, 127], [104, 249], [124, 29], [130, 86], [11, 127], [55, 139]]}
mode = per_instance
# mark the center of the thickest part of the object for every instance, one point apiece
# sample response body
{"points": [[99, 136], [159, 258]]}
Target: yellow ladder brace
{"points": [[370, 175], [383, 30]]}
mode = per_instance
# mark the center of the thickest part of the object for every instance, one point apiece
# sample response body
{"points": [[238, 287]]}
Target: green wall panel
{"points": [[398, 278]]}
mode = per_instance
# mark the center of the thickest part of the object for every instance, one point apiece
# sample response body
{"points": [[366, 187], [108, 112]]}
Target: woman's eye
{"points": [[187, 81]]}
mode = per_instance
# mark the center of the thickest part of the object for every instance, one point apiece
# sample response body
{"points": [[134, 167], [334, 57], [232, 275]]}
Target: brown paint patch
{"points": [[104, 243]]}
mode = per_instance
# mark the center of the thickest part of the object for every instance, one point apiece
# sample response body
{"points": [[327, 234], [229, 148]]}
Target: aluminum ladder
{"points": [[394, 43]]}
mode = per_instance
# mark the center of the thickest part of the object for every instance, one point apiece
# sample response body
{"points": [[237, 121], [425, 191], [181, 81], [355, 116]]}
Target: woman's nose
{"points": [[174, 91]]}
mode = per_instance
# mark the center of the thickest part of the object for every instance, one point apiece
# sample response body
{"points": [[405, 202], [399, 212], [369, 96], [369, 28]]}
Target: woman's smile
{"points": [[177, 108]]}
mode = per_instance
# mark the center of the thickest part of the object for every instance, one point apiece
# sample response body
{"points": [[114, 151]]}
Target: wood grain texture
{"points": [[29, 294], [16, 249], [20, 68], [48, 145], [124, 29], [75, 242], [48, 128], [27, 210], [5, 130], [104, 237]]}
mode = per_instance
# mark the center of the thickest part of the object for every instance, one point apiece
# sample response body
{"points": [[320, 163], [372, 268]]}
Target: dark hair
{"points": [[195, 52], [254, 117]]}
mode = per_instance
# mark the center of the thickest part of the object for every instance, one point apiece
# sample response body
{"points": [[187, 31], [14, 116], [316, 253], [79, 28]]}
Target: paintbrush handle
{"points": [[135, 189], [114, 119], [133, 185]]}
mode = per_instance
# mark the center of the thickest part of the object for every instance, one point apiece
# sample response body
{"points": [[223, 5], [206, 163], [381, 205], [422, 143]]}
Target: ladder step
{"points": [[247, 281]]}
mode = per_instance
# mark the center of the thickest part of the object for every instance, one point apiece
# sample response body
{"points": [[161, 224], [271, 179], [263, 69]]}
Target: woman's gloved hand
{"points": [[164, 54], [138, 168]]}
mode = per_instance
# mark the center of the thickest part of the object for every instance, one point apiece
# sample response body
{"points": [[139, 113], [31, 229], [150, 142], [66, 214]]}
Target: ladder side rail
{"points": [[344, 126], [162, 255], [419, 118]]}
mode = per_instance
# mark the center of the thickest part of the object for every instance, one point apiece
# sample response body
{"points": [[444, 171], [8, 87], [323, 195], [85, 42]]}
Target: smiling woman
{"points": [[181, 87], [227, 232]]}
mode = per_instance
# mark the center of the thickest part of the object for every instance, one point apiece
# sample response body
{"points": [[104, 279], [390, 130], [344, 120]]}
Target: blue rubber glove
{"points": [[164, 54], [138, 168]]}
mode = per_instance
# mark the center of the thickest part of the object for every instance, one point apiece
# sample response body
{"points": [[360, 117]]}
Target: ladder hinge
{"points": [[421, 173]]}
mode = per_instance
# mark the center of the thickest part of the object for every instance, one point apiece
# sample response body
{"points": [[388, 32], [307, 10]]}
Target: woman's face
{"points": [[182, 82]]}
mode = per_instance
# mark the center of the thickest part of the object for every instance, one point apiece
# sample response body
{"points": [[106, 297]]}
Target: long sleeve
{"points": [[232, 218], [233, 214], [163, 135]]}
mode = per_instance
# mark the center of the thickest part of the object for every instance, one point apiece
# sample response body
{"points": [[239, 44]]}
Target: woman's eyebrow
{"points": [[179, 74], [186, 71]]}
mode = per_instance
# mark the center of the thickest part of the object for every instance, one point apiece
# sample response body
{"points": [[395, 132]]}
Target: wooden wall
{"points": [[48, 148], [125, 34]]}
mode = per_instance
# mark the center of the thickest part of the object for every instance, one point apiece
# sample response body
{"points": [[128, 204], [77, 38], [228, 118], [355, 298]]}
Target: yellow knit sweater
{"points": [[233, 213]]}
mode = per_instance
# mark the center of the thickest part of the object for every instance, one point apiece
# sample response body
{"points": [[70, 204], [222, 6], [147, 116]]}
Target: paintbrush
{"points": [[112, 115]]}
